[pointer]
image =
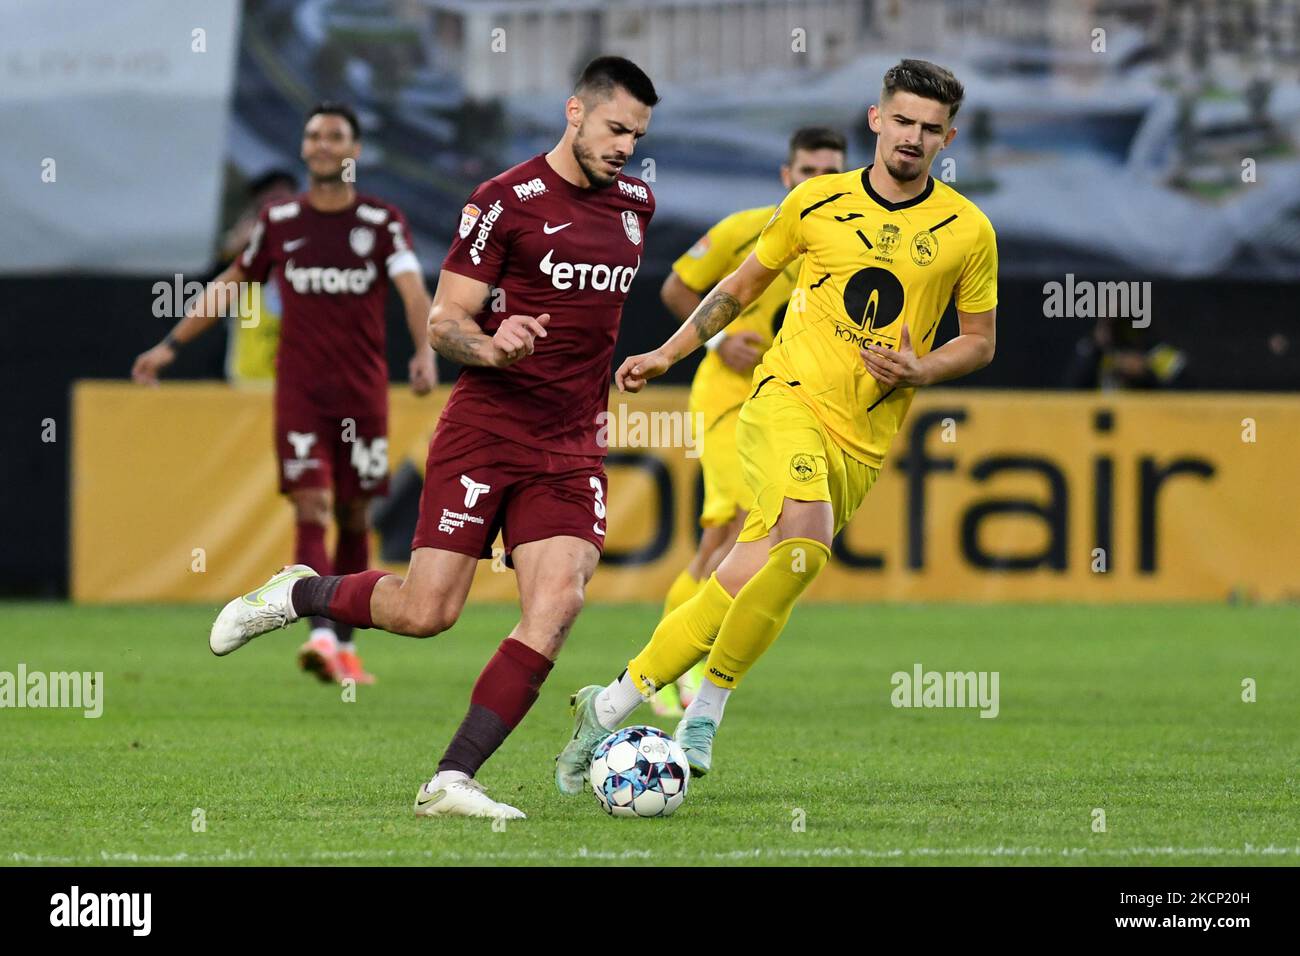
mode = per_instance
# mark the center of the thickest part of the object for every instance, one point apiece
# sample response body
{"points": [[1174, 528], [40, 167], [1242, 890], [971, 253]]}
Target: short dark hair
{"points": [[926, 79], [334, 108], [268, 179], [817, 137], [602, 75]]}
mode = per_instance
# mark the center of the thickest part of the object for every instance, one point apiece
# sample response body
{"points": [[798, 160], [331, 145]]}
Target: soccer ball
{"points": [[639, 772]]}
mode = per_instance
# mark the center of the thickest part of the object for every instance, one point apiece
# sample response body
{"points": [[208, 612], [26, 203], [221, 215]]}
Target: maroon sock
{"points": [[343, 598], [508, 686], [351, 554], [309, 549]]}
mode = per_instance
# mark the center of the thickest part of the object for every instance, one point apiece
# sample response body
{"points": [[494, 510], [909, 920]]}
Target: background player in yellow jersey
{"points": [[254, 335], [721, 382], [884, 250]]}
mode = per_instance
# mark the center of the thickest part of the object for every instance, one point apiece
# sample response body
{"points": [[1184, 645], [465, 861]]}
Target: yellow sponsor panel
{"points": [[1015, 496]]}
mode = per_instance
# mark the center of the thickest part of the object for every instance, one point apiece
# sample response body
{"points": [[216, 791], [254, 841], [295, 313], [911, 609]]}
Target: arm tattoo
{"points": [[714, 314], [452, 341]]}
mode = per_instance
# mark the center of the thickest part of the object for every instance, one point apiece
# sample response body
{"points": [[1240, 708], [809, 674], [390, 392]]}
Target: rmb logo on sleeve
{"points": [[526, 191], [634, 190]]}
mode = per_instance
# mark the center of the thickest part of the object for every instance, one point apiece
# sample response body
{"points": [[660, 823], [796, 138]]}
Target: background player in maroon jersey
{"points": [[529, 301], [333, 253]]}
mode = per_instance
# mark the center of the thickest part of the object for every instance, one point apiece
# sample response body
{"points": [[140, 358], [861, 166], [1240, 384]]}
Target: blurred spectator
{"points": [[255, 335], [1117, 356]]}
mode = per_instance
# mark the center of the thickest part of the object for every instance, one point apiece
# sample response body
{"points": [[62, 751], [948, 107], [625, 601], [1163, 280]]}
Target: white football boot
{"points": [[257, 612], [463, 798]]}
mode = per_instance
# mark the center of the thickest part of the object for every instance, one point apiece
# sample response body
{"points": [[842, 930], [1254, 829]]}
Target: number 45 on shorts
{"points": [[370, 459]]}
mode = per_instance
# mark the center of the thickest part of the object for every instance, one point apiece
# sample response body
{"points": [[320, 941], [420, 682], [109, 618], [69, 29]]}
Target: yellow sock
{"points": [[682, 590], [762, 607], [681, 638]]}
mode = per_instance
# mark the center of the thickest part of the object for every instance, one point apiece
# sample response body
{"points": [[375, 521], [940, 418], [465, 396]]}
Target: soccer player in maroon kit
{"points": [[560, 238], [333, 253]]}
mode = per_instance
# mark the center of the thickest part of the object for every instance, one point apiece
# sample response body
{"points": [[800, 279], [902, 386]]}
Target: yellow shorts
{"points": [[725, 491], [786, 453]]}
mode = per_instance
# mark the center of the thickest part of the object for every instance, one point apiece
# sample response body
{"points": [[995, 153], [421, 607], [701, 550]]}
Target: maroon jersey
{"points": [[548, 246], [332, 269]]}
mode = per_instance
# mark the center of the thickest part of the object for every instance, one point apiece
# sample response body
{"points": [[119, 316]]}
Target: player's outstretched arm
{"points": [[714, 313], [740, 351], [200, 315], [968, 352], [423, 369], [455, 335]]}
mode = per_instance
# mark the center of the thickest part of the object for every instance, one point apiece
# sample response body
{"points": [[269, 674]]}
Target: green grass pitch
{"points": [[1136, 711]]}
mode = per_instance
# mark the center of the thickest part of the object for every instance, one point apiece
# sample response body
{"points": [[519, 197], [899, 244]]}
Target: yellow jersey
{"points": [[251, 348], [869, 266], [718, 388]]}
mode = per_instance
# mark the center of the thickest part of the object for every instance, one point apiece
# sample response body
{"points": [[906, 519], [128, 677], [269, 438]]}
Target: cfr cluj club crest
{"points": [[632, 226], [362, 240]]}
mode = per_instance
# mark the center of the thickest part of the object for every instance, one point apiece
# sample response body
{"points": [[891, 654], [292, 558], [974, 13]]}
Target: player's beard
{"points": [[906, 175], [326, 179], [589, 163]]}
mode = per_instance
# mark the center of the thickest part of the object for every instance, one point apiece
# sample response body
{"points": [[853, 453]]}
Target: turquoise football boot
{"points": [[573, 765], [695, 735]]}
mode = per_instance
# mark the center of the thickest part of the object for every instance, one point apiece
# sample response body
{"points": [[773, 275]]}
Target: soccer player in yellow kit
{"points": [[884, 250], [721, 382]]}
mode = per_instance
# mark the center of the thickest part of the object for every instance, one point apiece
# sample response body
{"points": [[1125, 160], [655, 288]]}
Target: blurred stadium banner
{"points": [[987, 496], [115, 130]]}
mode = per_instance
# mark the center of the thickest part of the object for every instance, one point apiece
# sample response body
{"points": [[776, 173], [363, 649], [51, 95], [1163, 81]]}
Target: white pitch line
{"points": [[646, 856]]}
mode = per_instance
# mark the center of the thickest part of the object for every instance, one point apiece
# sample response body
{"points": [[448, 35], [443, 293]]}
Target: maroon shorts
{"points": [[347, 453], [477, 483]]}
